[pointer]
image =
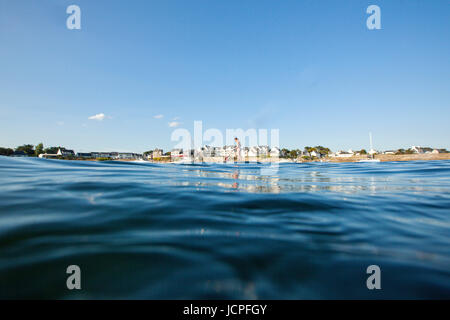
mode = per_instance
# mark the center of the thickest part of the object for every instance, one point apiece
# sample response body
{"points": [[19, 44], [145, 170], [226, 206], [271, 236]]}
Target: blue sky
{"points": [[312, 69]]}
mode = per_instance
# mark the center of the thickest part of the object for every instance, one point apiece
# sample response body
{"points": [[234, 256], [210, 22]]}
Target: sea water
{"points": [[216, 231]]}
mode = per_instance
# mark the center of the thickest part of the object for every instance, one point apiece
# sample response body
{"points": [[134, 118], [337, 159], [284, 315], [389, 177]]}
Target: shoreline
{"points": [[381, 157], [395, 157]]}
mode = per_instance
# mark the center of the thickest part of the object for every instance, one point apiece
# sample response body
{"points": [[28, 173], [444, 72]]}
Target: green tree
{"points": [[362, 151], [27, 148], [284, 152], [6, 151], [310, 149], [293, 154], [39, 149], [51, 150], [322, 150]]}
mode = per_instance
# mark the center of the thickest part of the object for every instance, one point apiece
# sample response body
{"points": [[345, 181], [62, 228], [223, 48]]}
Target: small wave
{"points": [[223, 230]]}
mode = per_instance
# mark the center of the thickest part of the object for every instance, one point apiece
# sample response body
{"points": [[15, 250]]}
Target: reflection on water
{"points": [[142, 230], [249, 179]]}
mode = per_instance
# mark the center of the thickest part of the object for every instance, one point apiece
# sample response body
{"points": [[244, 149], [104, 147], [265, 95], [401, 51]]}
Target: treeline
{"points": [[403, 151], [295, 153], [29, 150]]}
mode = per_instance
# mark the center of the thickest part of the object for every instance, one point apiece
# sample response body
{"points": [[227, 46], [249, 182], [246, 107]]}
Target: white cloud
{"points": [[174, 124], [158, 116], [176, 118], [98, 117]]}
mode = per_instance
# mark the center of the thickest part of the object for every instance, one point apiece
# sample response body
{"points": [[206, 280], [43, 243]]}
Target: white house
{"points": [[229, 150], [275, 152], [199, 152], [263, 150], [157, 153], [149, 155], [110, 155], [417, 149], [245, 151], [219, 152], [253, 151], [208, 151], [315, 154], [176, 153], [65, 152], [84, 154], [343, 154], [128, 156]]}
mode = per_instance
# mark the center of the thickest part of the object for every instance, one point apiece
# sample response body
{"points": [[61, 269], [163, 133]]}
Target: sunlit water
{"points": [[156, 231]]}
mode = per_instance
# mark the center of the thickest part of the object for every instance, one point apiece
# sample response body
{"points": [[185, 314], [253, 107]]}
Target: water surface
{"points": [[212, 231]]}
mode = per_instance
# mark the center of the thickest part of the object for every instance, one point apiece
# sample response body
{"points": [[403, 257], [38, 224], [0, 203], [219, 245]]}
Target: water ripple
{"points": [[144, 230]]}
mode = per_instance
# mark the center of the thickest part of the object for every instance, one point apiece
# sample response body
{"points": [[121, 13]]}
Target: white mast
{"points": [[371, 151]]}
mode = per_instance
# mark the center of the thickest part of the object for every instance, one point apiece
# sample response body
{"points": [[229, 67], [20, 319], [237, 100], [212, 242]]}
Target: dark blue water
{"points": [[141, 230]]}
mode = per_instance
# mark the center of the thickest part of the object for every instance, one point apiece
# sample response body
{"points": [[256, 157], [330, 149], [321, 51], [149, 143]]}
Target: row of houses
{"points": [[265, 151], [208, 151], [255, 151], [348, 154], [413, 149], [94, 155], [112, 155], [426, 150]]}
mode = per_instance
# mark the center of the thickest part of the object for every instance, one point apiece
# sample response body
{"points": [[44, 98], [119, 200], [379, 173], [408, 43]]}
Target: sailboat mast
{"points": [[371, 147]]}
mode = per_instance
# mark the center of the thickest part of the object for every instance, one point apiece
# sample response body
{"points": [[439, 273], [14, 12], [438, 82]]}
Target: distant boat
{"points": [[371, 152]]}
